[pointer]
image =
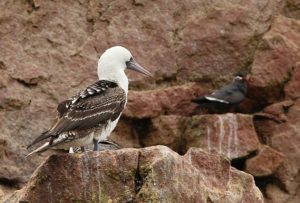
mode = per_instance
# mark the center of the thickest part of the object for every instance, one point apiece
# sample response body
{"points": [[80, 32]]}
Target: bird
{"points": [[92, 114], [226, 98]]}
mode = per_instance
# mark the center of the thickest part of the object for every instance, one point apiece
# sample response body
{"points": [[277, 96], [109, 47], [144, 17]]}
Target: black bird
{"points": [[226, 98]]}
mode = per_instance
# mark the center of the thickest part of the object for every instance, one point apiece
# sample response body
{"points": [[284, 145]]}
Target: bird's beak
{"points": [[133, 65]]}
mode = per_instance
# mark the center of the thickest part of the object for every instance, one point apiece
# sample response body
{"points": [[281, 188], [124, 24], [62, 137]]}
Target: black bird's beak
{"points": [[133, 65]]}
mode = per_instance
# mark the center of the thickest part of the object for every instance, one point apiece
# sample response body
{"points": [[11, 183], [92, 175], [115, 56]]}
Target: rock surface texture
{"points": [[49, 51], [153, 174]]}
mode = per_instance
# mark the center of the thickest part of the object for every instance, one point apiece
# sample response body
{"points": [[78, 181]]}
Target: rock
{"points": [[165, 130], [220, 37], [232, 135], [275, 195], [174, 100], [285, 138], [15, 170], [6, 192], [149, 174], [124, 134], [291, 89], [291, 9], [265, 163], [274, 60], [49, 51]]}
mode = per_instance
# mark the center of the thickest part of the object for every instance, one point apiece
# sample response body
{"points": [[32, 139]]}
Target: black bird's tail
{"points": [[43, 136], [200, 100]]}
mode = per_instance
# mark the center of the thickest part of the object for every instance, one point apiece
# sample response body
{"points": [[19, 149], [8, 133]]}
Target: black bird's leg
{"points": [[96, 145], [82, 149]]}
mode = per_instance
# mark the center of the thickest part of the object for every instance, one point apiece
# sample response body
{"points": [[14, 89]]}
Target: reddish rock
{"points": [[274, 60], [265, 163], [149, 174], [218, 38], [165, 130], [275, 195], [15, 169], [162, 130], [232, 135], [49, 51], [285, 138], [124, 134], [173, 100], [291, 89]]}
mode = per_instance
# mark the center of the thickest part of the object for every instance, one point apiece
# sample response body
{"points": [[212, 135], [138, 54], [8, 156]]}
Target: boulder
{"points": [[231, 135], [165, 130], [219, 38], [155, 174], [265, 163], [175, 100], [275, 59], [284, 137]]}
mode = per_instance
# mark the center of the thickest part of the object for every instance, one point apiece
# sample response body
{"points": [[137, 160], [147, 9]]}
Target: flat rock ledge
{"points": [[152, 174]]}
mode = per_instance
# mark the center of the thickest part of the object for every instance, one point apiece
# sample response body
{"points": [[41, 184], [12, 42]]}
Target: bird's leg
{"points": [[96, 145], [82, 149]]}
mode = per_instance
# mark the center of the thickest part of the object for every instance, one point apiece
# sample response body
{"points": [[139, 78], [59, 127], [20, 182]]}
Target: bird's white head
{"points": [[113, 63]]}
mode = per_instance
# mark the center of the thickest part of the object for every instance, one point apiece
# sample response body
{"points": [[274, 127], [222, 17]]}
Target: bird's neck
{"points": [[242, 85], [116, 75]]}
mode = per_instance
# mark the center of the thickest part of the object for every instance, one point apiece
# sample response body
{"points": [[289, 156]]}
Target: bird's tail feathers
{"points": [[200, 100], [43, 136], [42, 148]]}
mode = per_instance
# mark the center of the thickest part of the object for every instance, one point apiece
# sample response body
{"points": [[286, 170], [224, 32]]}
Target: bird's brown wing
{"points": [[92, 111], [94, 106]]}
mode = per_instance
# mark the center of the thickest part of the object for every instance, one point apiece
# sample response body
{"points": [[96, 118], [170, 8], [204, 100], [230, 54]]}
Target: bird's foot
{"points": [[96, 145], [111, 143]]}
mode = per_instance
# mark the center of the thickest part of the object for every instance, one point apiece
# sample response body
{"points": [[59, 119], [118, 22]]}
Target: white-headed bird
{"points": [[92, 114]]}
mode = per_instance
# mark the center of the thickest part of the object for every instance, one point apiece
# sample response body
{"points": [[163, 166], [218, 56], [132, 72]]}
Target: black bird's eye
{"points": [[131, 59]]}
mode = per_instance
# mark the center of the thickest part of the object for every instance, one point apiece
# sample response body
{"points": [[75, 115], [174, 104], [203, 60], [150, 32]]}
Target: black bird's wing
{"points": [[233, 93], [94, 106], [230, 94]]}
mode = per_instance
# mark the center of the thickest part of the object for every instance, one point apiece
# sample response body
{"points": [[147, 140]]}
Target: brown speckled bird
{"points": [[92, 114]]}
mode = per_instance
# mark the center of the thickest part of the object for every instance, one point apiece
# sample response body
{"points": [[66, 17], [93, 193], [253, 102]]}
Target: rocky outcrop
{"points": [[154, 174], [283, 137], [49, 51]]}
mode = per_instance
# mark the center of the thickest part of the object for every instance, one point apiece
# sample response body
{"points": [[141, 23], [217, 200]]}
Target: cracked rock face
{"points": [[154, 174]]}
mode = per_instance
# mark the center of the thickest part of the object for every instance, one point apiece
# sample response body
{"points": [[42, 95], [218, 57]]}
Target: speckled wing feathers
{"points": [[92, 111], [90, 108]]}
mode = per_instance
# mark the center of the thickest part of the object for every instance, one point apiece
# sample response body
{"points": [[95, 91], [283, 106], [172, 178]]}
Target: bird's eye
{"points": [[131, 59]]}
